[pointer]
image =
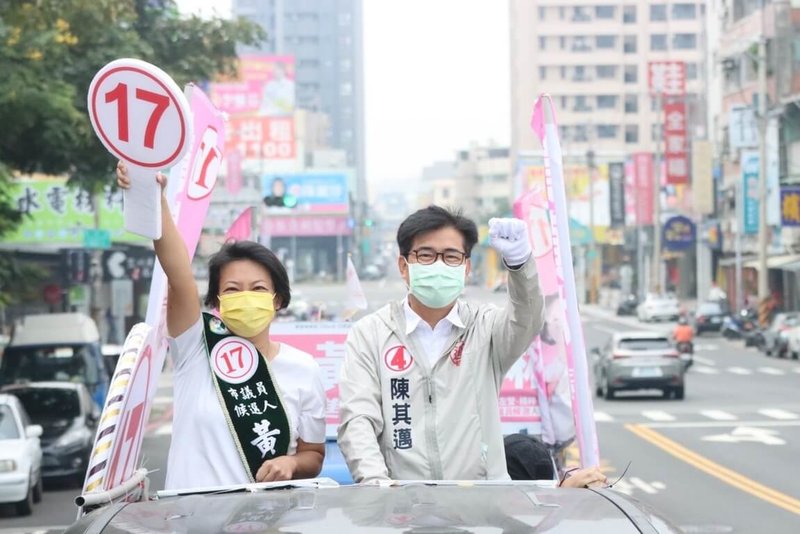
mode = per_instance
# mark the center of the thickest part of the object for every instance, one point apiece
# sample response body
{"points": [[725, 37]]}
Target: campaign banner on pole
{"points": [[645, 181], [564, 303], [675, 142], [750, 172], [616, 193]]}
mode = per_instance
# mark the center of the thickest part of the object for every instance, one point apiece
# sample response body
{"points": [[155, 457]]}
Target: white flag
{"points": [[356, 300]]}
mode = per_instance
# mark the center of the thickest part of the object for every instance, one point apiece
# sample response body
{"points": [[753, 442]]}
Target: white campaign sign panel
{"points": [[143, 118]]}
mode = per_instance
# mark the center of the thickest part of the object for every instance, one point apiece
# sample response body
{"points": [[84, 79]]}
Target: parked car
{"points": [[20, 457], [709, 317], [628, 305], [62, 347], [776, 337], [68, 417], [658, 308], [443, 507], [638, 360]]}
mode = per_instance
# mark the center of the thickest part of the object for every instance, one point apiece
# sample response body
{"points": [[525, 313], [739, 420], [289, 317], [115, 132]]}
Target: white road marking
{"points": [[748, 434], [658, 415], [704, 361], [720, 424], [796, 370], [771, 371], [776, 413], [719, 415], [659, 485], [703, 370], [602, 417], [642, 485], [739, 371]]}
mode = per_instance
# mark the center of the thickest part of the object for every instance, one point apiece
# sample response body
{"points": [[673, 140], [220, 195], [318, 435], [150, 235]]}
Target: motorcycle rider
{"points": [[683, 335]]}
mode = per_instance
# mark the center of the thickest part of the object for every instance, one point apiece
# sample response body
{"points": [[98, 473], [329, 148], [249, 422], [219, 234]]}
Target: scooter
{"points": [[741, 325], [686, 351], [628, 305]]}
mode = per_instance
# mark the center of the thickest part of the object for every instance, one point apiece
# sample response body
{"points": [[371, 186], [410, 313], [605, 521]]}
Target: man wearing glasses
{"points": [[421, 377]]}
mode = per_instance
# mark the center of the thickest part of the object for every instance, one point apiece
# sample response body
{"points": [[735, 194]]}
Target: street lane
{"points": [[740, 421]]}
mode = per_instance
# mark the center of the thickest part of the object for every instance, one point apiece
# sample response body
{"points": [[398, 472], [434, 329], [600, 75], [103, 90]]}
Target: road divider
{"points": [[720, 472]]}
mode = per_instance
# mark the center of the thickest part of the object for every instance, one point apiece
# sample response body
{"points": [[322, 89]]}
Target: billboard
{"points": [[315, 192], [259, 137], [790, 205], [616, 181], [266, 87], [55, 213], [676, 142], [305, 226]]}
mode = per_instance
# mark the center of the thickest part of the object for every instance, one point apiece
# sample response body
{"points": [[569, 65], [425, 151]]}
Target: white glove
{"points": [[509, 237]]}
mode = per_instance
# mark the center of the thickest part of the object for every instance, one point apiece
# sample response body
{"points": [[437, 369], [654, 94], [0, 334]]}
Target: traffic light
{"points": [[284, 201]]}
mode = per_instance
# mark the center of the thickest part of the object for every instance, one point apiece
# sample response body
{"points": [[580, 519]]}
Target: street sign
{"points": [[96, 238], [742, 434], [142, 118]]}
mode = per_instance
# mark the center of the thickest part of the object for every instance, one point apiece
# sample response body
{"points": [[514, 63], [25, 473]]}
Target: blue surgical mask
{"points": [[437, 285]]}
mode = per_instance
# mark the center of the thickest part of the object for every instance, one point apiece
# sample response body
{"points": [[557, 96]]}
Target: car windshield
{"points": [[709, 308], [8, 425], [42, 363], [654, 343], [47, 404]]}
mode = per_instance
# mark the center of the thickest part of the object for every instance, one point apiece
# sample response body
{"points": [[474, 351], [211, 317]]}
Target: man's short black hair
{"points": [[248, 250], [528, 458], [431, 219]]}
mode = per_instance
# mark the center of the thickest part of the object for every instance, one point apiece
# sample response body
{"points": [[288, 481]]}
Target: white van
{"points": [[62, 347]]}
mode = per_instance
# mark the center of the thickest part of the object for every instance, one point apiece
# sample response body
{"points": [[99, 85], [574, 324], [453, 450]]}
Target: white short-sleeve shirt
{"points": [[202, 452]]}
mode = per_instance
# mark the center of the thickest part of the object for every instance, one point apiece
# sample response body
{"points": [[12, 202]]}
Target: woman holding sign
{"points": [[246, 408]]}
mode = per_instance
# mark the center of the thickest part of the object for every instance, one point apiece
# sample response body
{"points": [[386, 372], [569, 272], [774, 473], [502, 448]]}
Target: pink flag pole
{"points": [[241, 228], [544, 126]]}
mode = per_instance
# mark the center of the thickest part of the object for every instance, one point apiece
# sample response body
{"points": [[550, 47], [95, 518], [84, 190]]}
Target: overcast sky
{"points": [[436, 79]]}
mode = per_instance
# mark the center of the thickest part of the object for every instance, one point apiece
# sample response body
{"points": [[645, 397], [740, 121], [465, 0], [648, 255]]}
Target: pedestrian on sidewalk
{"points": [[421, 377], [246, 408]]}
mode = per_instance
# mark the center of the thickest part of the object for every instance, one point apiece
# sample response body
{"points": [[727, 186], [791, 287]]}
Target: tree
{"points": [[51, 49]]}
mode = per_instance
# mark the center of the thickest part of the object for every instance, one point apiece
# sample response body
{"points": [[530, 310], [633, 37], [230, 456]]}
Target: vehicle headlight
{"points": [[7, 466], [70, 438]]}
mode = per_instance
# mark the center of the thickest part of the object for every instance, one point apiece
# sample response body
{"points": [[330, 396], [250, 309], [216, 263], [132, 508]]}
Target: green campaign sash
{"points": [[251, 400]]}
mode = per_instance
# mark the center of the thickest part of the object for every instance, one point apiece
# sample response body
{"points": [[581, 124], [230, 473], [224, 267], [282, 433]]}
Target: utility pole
{"points": [[763, 279], [656, 282]]}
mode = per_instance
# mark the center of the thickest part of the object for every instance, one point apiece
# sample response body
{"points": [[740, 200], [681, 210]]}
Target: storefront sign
{"points": [[679, 233]]}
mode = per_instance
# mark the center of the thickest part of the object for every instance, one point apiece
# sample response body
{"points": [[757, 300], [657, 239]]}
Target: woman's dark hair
{"points": [[247, 250], [431, 219]]}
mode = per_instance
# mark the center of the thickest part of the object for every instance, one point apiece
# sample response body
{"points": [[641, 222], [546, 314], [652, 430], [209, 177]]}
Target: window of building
{"points": [[658, 12], [542, 12], [580, 104], [631, 74], [658, 41], [629, 44], [580, 133], [606, 42], [562, 41], [631, 103], [605, 12], [655, 132], [346, 89], [607, 131], [562, 12], [631, 133], [691, 71], [580, 43], [684, 11], [542, 73], [563, 72], [606, 72], [629, 14], [684, 41], [579, 73], [580, 14], [542, 43], [606, 101], [344, 18]]}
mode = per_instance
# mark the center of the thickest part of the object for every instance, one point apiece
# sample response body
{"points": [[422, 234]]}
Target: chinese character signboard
{"points": [[675, 142], [749, 191], [616, 190], [255, 137], [742, 127], [667, 78], [317, 192], [679, 233], [790, 205], [55, 213], [266, 87]]}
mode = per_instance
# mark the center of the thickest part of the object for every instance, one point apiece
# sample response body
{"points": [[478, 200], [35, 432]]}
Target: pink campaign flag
{"points": [[561, 343], [241, 228]]}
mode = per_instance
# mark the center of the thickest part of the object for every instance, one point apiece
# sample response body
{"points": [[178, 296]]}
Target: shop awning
{"points": [[774, 262]]}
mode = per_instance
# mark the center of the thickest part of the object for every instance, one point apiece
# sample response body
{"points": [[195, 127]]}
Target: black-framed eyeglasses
{"points": [[428, 256]]}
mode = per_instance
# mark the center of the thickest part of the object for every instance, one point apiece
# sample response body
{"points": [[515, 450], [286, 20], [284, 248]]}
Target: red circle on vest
{"points": [[398, 359]]}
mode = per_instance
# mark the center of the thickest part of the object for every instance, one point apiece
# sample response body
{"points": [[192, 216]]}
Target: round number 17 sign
{"points": [[143, 118]]}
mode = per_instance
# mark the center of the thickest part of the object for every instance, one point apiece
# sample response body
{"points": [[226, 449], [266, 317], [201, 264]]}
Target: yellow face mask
{"points": [[247, 313]]}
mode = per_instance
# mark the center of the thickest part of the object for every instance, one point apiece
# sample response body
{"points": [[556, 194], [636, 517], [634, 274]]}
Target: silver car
{"points": [[638, 360], [658, 308], [406, 507]]}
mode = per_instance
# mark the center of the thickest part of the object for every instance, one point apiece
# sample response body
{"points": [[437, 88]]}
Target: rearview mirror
{"points": [[33, 431]]}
